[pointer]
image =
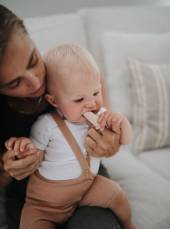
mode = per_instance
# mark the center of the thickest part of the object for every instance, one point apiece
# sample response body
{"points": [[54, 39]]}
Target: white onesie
{"points": [[59, 161]]}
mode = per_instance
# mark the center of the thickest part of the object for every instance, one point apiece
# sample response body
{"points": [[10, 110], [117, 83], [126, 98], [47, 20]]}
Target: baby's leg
{"points": [[32, 218], [106, 193]]}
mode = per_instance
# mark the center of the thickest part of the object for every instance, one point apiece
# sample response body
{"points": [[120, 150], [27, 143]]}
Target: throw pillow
{"points": [[117, 47], [151, 102]]}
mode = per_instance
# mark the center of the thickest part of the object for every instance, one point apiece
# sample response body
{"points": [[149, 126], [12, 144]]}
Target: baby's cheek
{"points": [[75, 118]]}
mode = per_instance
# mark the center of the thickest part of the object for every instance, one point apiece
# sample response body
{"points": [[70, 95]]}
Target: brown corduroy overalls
{"points": [[49, 202]]}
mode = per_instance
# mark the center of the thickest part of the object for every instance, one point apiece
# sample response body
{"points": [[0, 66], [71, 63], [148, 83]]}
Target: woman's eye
{"points": [[78, 100], [14, 84], [96, 93]]}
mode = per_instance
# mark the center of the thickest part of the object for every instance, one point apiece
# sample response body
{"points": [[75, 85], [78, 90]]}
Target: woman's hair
{"points": [[10, 23]]}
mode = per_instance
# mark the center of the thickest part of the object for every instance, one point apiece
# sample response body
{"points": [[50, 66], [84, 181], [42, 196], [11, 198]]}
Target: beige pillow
{"points": [[151, 105]]}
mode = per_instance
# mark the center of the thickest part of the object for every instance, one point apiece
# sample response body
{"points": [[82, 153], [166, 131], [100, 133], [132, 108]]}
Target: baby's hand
{"points": [[21, 146], [116, 122], [111, 120]]}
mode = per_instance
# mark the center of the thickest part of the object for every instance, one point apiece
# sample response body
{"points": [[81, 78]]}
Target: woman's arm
{"points": [[4, 177], [23, 167], [20, 168]]}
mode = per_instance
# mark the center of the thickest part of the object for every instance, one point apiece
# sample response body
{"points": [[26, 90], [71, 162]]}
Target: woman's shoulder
{"points": [[25, 106]]}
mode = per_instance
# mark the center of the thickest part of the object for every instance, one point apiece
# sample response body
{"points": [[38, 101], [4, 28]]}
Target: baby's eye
{"points": [[78, 100], [96, 93]]}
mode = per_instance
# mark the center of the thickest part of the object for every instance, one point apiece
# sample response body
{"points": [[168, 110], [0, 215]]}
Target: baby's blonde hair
{"points": [[68, 57]]}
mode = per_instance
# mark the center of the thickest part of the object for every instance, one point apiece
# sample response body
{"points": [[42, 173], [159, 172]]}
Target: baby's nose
{"points": [[91, 104]]}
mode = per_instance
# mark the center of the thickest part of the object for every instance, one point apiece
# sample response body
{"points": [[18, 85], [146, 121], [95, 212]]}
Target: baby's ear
{"points": [[51, 99]]}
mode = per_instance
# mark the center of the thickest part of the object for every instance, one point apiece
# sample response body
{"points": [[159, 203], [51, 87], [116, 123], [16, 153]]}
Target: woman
{"points": [[22, 85]]}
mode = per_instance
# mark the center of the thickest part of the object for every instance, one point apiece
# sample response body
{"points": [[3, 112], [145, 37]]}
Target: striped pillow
{"points": [[151, 102]]}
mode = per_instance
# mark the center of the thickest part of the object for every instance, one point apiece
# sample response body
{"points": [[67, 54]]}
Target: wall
{"points": [[28, 8]]}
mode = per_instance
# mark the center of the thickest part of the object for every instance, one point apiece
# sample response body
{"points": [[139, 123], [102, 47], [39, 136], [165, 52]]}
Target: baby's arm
{"points": [[126, 135], [118, 123]]}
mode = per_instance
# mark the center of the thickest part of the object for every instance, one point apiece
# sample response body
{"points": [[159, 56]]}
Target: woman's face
{"points": [[22, 71]]}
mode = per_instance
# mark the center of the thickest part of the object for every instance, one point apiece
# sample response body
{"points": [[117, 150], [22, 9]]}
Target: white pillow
{"points": [[49, 30], [151, 101], [128, 19], [117, 47]]}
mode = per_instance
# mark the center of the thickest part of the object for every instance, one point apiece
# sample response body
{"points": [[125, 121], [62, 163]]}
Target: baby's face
{"points": [[78, 94]]}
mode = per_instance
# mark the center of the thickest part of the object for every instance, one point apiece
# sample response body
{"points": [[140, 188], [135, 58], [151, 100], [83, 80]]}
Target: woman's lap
{"points": [[93, 218], [84, 218]]}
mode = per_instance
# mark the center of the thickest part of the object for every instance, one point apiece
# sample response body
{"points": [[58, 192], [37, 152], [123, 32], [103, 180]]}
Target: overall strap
{"points": [[71, 140]]}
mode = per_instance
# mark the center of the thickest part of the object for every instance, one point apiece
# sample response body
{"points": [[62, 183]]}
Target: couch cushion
{"points": [[163, 224], [151, 95], [117, 47], [147, 191], [158, 160], [50, 30]]}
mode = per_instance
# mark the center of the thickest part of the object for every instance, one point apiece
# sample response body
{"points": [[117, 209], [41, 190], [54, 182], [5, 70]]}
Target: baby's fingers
{"points": [[31, 150], [116, 122], [25, 144], [109, 121], [116, 126], [9, 144], [103, 119]]}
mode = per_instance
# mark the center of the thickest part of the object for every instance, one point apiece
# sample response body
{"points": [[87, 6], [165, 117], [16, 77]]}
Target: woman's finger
{"points": [[91, 151], [94, 134], [107, 142], [14, 167], [27, 165], [90, 142], [20, 174]]}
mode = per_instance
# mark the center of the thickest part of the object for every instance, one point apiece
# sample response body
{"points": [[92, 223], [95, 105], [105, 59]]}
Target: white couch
{"points": [[144, 176]]}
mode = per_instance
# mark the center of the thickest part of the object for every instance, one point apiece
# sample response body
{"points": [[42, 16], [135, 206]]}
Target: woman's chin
{"points": [[38, 93]]}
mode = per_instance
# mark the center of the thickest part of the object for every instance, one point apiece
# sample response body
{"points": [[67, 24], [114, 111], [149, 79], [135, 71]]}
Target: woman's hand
{"points": [[22, 146], [103, 144], [22, 167]]}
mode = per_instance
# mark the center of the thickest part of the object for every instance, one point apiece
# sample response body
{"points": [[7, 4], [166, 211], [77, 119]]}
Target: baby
{"points": [[68, 176]]}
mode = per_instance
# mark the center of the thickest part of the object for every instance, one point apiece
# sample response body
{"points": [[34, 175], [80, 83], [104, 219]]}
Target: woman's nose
{"points": [[32, 80]]}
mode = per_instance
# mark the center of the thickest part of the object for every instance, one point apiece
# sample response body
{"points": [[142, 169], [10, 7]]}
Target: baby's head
{"points": [[73, 81]]}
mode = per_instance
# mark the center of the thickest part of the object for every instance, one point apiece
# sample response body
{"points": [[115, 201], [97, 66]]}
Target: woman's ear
{"points": [[51, 99]]}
